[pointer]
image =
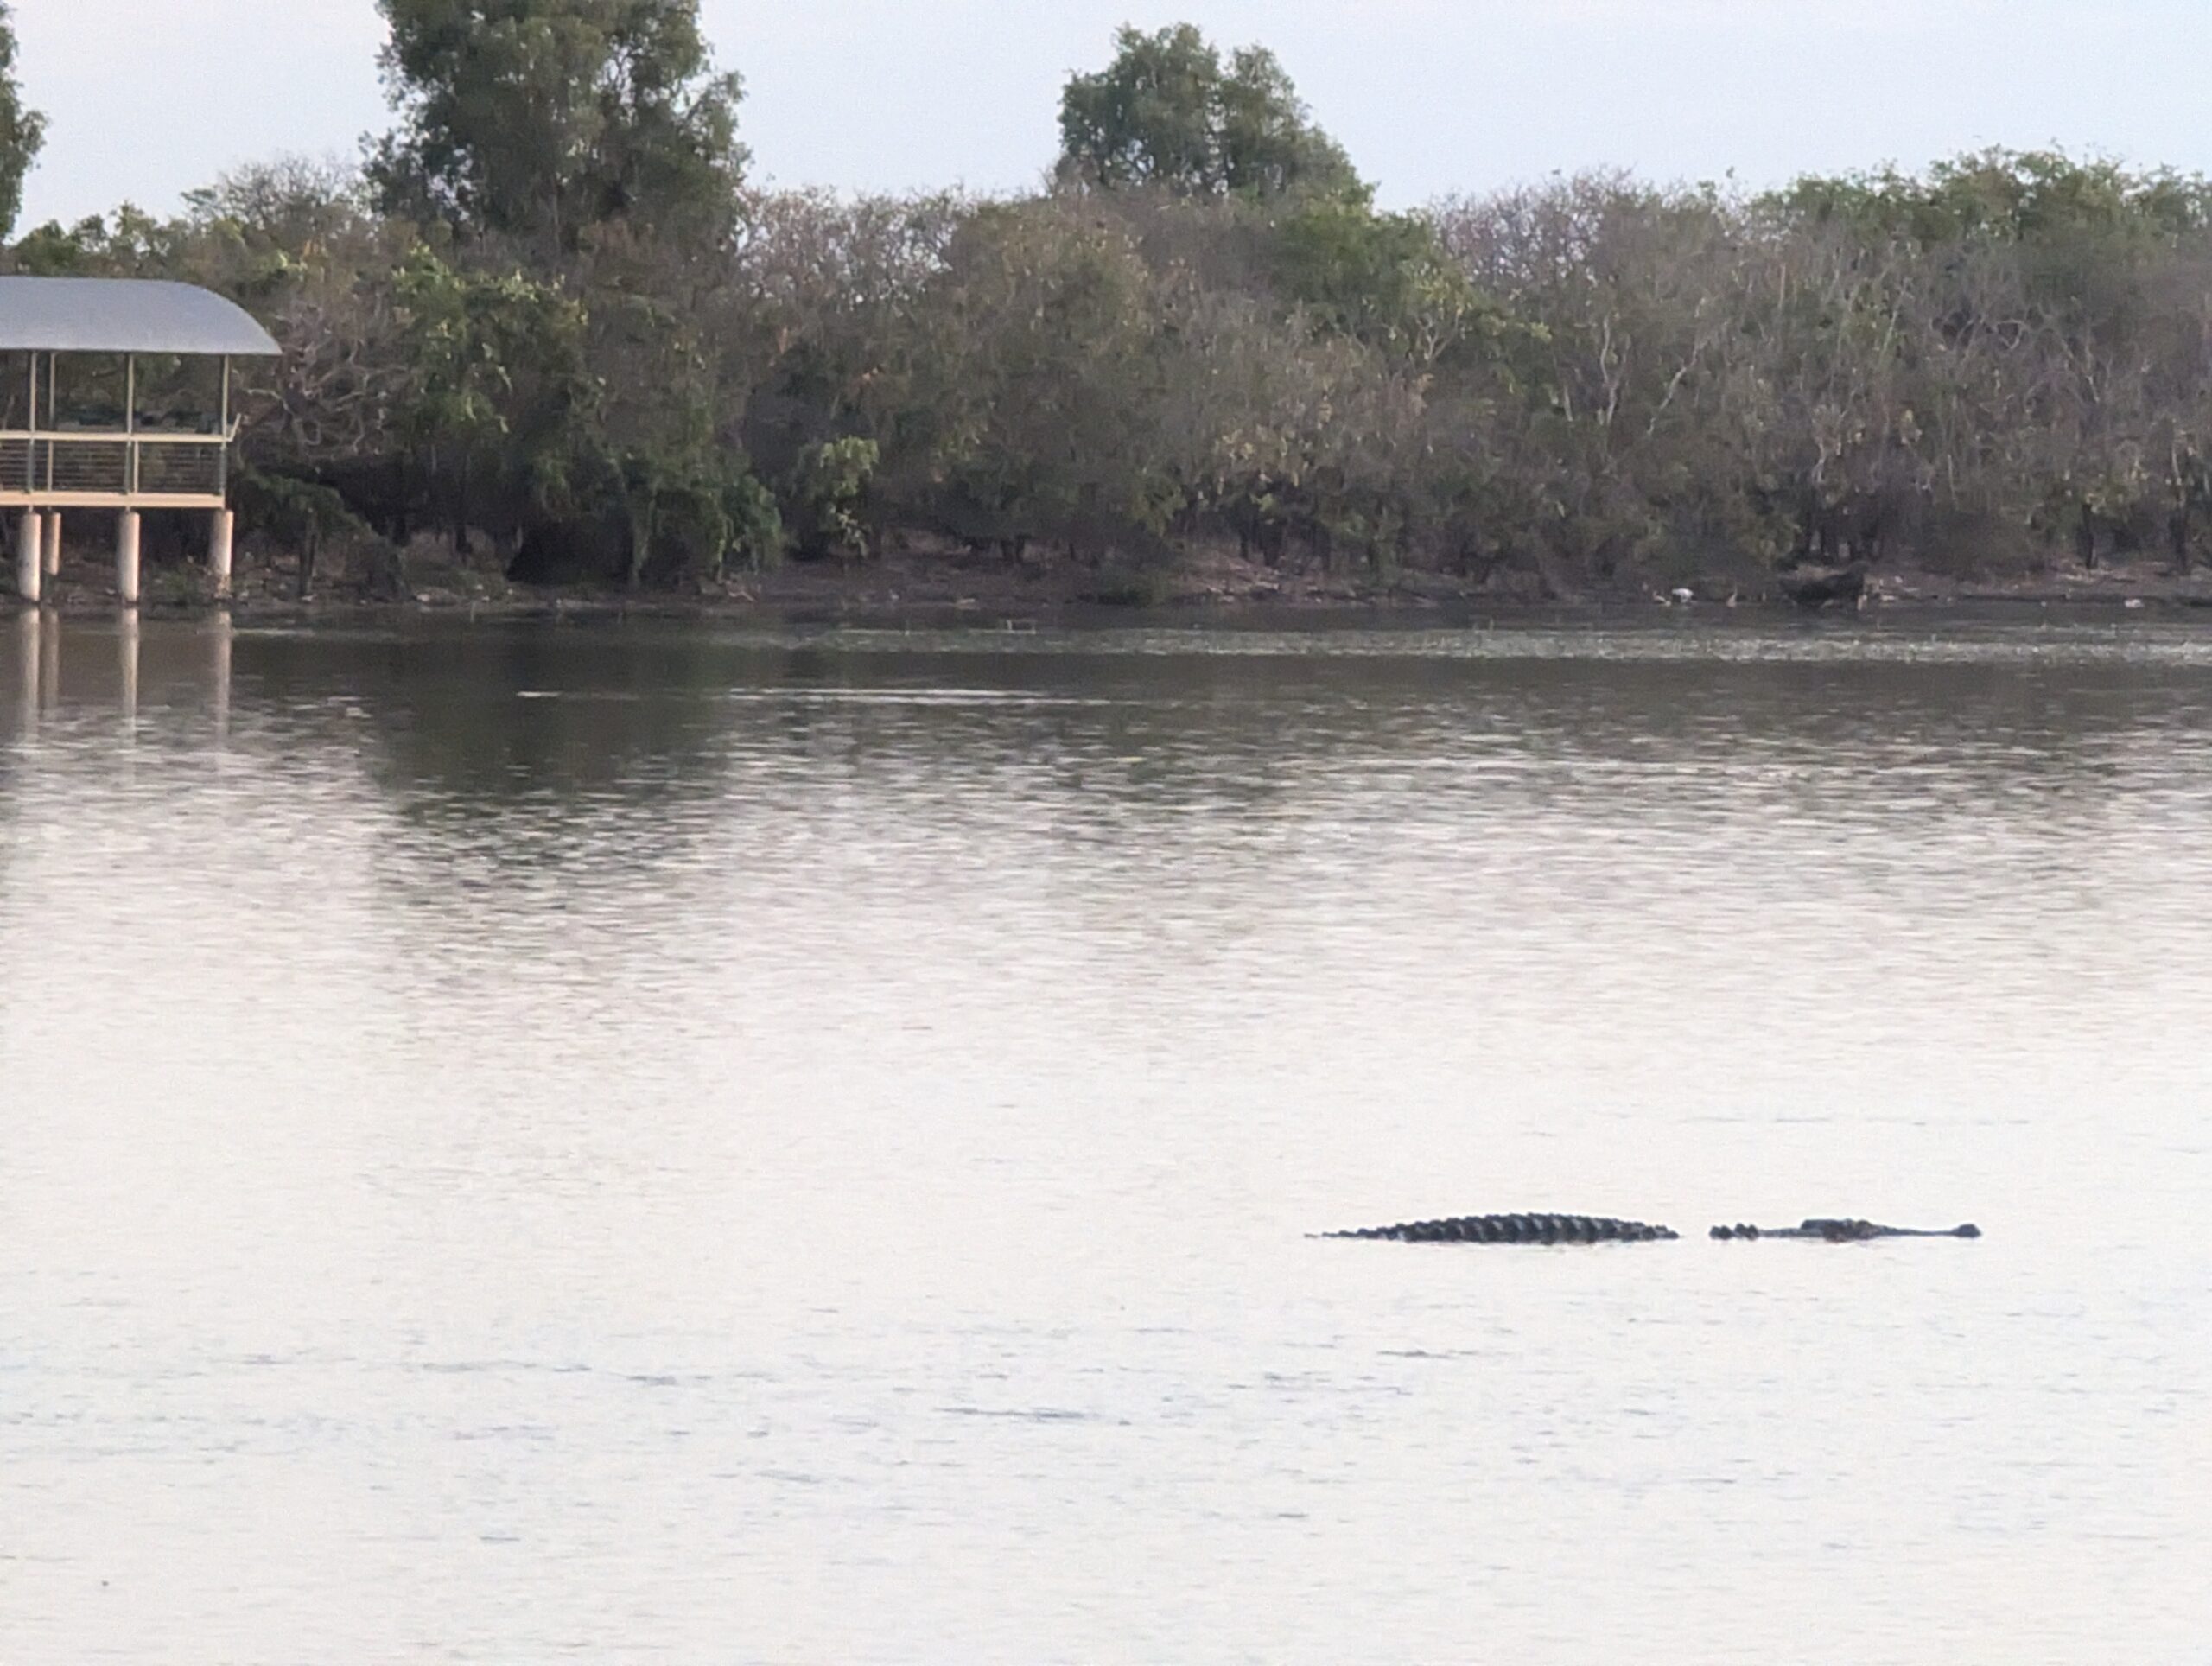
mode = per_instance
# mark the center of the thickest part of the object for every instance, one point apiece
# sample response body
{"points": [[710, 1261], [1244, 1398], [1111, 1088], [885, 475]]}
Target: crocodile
{"points": [[1842, 1231], [1515, 1229]]}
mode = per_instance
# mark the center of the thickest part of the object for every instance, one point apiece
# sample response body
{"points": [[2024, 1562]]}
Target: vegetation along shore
{"points": [[548, 335]]}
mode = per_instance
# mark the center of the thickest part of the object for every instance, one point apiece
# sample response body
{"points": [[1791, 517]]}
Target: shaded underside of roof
{"points": [[115, 314]]}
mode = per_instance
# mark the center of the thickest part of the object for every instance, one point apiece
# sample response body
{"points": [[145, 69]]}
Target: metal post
{"points": [[223, 457], [130, 425]]}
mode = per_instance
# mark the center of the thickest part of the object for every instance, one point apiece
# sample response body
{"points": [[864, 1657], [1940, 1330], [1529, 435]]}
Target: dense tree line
{"points": [[552, 320], [22, 129]]}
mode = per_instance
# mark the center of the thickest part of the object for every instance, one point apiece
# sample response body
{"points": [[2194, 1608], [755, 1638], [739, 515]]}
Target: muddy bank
{"points": [[957, 588]]}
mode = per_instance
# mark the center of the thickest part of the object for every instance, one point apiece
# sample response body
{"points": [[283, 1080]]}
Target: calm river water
{"points": [[618, 1143]]}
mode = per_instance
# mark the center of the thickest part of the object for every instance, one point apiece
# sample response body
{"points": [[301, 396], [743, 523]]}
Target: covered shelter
{"points": [[109, 452]]}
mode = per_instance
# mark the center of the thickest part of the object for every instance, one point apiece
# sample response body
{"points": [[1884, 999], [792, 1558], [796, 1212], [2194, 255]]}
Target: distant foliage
{"points": [[22, 129], [830, 485], [1167, 112], [544, 119], [552, 323]]}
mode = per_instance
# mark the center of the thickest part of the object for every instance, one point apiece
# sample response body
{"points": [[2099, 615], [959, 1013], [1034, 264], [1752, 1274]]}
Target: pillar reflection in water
{"points": [[219, 673], [126, 662], [185, 665], [30, 631], [49, 661]]}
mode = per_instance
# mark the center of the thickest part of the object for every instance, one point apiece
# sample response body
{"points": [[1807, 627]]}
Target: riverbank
{"points": [[955, 586]]}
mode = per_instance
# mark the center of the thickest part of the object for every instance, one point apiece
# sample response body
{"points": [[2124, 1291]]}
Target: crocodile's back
{"points": [[1515, 1229]]}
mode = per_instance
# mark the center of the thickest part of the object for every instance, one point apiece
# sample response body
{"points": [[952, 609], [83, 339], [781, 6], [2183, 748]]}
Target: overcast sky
{"points": [[148, 98]]}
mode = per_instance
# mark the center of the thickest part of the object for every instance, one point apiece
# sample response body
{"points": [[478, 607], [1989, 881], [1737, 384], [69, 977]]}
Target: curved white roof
{"points": [[121, 314]]}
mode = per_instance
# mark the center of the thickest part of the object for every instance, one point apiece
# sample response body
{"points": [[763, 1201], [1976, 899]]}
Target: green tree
{"points": [[543, 118], [657, 453], [496, 389], [2014, 196], [1167, 112], [1384, 278], [1042, 343], [828, 487], [23, 130]]}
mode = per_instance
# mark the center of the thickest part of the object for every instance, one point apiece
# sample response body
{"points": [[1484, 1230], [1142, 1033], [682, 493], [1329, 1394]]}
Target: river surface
{"points": [[634, 1143]]}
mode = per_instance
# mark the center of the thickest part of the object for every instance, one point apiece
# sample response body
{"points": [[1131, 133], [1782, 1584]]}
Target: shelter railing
{"points": [[69, 467]]}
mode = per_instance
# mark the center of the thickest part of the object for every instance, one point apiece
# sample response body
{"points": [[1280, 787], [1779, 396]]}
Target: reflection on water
{"points": [[195, 661], [592, 1143]]}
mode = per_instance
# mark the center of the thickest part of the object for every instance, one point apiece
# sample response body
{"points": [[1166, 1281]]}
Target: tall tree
{"points": [[1166, 111], [23, 130], [542, 118]]}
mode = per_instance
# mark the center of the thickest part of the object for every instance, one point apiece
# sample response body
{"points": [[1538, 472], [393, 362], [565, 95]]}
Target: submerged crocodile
{"points": [[1839, 1232], [1515, 1229], [1593, 1228]]}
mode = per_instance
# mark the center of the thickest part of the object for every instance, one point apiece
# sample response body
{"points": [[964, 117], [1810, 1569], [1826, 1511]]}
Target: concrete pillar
{"points": [[30, 555], [126, 558], [54, 543], [220, 536]]}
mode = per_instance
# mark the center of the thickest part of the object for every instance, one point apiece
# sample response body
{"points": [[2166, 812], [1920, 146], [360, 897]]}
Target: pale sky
{"points": [[149, 98]]}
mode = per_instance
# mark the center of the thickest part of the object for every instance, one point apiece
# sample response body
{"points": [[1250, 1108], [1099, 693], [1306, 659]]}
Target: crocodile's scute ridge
{"points": [[1516, 1229]]}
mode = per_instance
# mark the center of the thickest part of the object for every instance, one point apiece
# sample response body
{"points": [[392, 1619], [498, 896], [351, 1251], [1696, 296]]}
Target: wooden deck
{"points": [[80, 469]]}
